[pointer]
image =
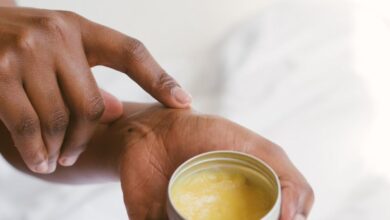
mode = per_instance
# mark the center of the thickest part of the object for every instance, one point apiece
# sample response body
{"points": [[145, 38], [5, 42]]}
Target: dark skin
{"points": [[139, 144], [7, 3], [144, 147], [49, 100]]}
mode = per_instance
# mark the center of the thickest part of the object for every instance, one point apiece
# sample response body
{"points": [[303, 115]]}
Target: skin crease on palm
{"points": [[139, 144], [146, 145]]}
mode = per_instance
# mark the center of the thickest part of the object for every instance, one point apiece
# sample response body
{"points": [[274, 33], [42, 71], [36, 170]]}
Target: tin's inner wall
{"points": [[223, 188]]}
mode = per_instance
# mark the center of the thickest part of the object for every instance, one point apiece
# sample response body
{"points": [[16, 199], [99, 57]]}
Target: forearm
{"points": [[97, 164], [7, 3]]}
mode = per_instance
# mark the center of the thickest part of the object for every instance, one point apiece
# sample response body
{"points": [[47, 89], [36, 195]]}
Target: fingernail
{"points": [[42, 167], [52, 167], [299, 217], [181, 95], [67, 161]]}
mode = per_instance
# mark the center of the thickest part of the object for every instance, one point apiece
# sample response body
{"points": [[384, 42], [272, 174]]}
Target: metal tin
{"points": [[231, 158]]}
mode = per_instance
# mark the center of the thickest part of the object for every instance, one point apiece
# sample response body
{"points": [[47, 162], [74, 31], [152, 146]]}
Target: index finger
{"points": [[104, 46]]}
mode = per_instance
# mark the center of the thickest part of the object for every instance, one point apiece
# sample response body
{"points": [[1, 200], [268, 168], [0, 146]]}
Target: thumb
{"points": [[113, 110]]}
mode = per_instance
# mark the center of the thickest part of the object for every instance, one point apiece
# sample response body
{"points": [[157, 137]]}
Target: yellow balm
{"points": [[222, 193]]}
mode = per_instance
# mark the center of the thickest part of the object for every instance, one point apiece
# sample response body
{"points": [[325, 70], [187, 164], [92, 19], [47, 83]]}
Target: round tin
{"points": [[231, 158]]}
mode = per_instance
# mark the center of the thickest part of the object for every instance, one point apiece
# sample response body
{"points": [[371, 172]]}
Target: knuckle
{"points": [[309, 191], [52, 23], [26, 40], [5, 78], [165, 81], [5, 68], [304, 192], [68, 14], [8, 80], [58, 123], [135, 50], [27, 126], [5, 63], [95, 108]]}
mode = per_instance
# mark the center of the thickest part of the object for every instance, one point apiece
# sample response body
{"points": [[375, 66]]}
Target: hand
{"points": [[50, 102], [158, 140]]}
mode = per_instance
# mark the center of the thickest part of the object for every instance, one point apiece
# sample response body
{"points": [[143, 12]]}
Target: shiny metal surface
{"points": [[212, 158]]}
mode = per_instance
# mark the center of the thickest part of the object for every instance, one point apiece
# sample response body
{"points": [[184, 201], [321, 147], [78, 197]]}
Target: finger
{"points": [[52, 112], [110, 48], [290, 202], [113, 108], [21, 120], [297, 200], [299, 217], [85, 104], [306, 202]]}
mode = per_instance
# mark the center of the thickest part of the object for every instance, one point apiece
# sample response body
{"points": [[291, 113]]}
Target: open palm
{"points": [[158, 140]]}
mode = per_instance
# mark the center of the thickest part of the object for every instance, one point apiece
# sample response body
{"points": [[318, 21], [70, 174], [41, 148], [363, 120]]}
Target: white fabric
{"points": [[288, 74]]}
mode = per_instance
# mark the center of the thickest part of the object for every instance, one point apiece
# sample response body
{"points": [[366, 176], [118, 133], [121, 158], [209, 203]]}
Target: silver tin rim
{"points": [[272, 214]]}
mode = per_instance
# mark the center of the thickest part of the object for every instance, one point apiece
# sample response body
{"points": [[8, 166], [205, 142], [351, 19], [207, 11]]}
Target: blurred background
{"points": [[310, 75]]}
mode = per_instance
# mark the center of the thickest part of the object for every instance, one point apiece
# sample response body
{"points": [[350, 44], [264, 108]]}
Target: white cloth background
{"points": [[289, 74]]}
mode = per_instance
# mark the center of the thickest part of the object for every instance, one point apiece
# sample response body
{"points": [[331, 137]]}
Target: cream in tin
{"points": [[224, 185]]}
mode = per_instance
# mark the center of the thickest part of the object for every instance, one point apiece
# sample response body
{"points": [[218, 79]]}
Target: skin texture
{"points": [[8, 3], [49, 100], [144, 147]]}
